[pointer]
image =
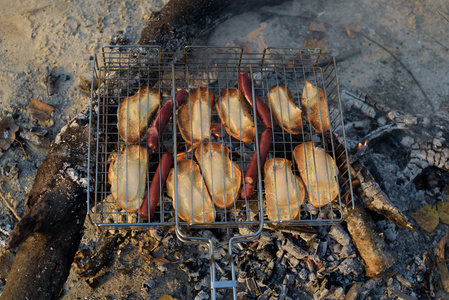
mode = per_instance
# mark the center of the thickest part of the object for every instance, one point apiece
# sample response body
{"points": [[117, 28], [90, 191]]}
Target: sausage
{"points": [[162, 118], [262, 111], [251, 173], [156, 187]]}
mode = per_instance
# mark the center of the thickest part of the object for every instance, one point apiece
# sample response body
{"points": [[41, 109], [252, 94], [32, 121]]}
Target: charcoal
{"points": [[322, 248], [242, 296], [313, 246], [294, 250], [266, 276], [266, 294], [303, 274], [253, 286], [340, 235], [202, 295], [267, 253], [283, 293], [350, 265]]}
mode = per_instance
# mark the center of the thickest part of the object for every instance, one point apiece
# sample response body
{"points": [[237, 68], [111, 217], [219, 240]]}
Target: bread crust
{"points": [[126, 189], [134, 114], [317, 169], [315, 107], [235, 116], [189, 176], [213, 159], [278, 181], [195, 114], [284, 110]]}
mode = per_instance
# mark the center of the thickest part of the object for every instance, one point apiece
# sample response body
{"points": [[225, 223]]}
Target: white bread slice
{"points": [[195, 203], [127, 175], [194, 116], [222, 176], [314, 105], [134, 114], [235, 116], [284, 110], [284, 191], [317, 169]]}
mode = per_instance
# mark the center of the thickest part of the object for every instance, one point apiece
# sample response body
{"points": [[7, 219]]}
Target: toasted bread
{"points": [[318, 171], [194, 117], [284, 191], [222, 176], [235, 116], [195, 203], [314, 105], [127, 175], [284, 110], [134, 114]]}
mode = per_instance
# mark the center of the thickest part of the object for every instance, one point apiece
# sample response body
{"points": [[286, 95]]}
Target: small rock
{"points": [[149, 284]]}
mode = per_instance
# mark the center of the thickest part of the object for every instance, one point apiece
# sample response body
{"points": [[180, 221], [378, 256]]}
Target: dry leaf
{"points": [[8, 131], [443, 211], [317, 26], [167, 297], [40, 110], [315, 43], [426, 217], [351, 26]]}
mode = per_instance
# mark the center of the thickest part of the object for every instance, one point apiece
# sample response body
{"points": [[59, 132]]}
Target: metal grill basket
{"points": [[125, 70]]}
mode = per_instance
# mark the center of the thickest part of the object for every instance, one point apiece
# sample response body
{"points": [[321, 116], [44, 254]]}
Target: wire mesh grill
{"points": [[128, 69]]}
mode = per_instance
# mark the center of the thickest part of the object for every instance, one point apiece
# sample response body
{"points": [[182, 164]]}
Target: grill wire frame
{"points": [[126, 69]]}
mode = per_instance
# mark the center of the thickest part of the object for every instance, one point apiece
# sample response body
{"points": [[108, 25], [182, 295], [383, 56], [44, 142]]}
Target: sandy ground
{"points": [[399, 38]]}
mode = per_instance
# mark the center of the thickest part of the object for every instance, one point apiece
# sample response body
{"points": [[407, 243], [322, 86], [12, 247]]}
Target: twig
{"points": [[399, 61], [10, 207], [4, 232], [443, 15], [32, 11], [23, 149]]}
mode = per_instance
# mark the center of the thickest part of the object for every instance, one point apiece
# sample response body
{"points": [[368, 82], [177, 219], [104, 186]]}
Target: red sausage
{"points": [[263, 112], [162, 118], [251, 173], [155, 187]]}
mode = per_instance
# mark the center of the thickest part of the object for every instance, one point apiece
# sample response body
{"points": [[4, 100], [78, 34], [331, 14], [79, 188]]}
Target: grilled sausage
{"points": [[251, 173], [262, 110], [156, 186], [163, 117]]}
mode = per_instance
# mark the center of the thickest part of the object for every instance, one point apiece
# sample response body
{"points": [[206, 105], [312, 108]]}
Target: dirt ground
{"points": [[396, 52]]}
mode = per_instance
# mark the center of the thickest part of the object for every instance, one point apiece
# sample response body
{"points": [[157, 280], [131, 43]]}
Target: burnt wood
{"points": [[48, 235]]}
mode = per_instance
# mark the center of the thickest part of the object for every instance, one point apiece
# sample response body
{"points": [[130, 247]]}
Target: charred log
{"points": [[48, 235], [376, 254]]}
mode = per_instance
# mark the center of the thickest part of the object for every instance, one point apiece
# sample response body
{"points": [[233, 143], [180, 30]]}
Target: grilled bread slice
{"points": [[314, 105], [284, 191], [195, 203], [134, 114], [284, 110], [235, 116], [194, 117], [222, 176], [318, 171], [127, 176]]}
